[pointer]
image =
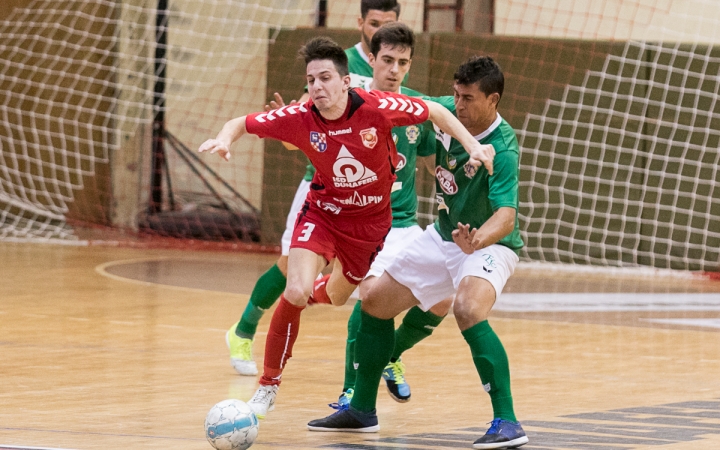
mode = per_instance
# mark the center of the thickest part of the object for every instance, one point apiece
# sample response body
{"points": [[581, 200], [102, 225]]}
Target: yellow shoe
{"points": [[240, 353]]}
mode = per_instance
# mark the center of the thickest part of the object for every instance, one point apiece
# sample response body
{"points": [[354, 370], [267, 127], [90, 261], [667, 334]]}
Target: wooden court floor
{"points": [[119, 348]]}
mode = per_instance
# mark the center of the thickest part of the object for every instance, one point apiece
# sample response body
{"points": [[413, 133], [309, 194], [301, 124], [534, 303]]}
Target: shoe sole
{"points": [[249, 373], [515, 443], [399, 400], [372, 429]]}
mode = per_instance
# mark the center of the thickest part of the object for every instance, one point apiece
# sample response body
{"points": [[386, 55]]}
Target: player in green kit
{"points": [[392, 48], [470, 251], [418, 324]]}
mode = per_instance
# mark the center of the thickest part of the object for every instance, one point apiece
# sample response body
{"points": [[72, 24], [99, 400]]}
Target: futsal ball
{"points": [[231, 425]]}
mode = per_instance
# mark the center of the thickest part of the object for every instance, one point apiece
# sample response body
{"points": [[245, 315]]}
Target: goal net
{"points": [[614, 102]]}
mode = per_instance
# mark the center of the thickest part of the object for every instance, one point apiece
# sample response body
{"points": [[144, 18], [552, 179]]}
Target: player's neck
{"points": [[337, 110], [374, 87], [481, 125]]}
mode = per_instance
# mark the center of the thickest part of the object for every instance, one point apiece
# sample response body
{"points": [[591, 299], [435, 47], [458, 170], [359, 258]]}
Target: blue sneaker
{"points": [[348, 420], [502, 434], [343, 401], [394, 376]]}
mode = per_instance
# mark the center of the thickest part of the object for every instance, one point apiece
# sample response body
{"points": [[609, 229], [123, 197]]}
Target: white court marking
{"points": [[599, 302], [708, 323]]}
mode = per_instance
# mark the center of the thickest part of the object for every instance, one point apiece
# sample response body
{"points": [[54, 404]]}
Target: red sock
{"points": [[281, 336], [319, 294]]}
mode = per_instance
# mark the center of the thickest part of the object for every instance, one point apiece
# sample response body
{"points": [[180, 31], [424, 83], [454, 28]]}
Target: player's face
{"points": [[475, 109], [372, 21], [390, 67], [325, 85]]}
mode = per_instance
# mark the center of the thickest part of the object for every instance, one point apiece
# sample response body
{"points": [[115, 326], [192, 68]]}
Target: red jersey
{"points": [[354, 156]]}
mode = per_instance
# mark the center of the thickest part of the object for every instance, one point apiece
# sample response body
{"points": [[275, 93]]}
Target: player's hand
{"points": [[277, 103], [216, 146], [463, 236], [482, 155]]}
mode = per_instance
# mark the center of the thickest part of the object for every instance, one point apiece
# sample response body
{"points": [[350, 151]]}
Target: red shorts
{"points": [[354, 241]]}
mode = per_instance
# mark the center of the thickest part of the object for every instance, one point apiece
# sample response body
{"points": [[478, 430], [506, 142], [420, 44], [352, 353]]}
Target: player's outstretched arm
{"points": [[231, 132], [479, 154], [495, 228]]}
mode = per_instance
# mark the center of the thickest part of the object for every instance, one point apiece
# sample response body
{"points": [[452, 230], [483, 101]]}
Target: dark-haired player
{"points": [[470, 252], [240, 336], [347, 135]]}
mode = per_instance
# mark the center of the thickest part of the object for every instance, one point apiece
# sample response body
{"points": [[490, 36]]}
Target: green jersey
{"points": [[411, 141], [468, 194]]}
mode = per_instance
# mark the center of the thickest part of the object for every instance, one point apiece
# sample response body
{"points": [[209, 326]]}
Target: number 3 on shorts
{"points": [[305, 234]]}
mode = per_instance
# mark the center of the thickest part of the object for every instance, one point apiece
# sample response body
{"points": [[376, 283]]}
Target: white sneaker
{"points": [[263, 401], [240, 353]]}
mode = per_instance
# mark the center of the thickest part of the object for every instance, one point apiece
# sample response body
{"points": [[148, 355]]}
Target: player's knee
{"points": [[296, 294], [442, 308]]}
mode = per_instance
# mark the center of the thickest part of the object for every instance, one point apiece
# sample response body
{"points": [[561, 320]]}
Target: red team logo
{"points": [[369, 137]]}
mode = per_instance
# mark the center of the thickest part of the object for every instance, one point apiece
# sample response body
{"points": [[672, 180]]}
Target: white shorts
{"points": [[395, 242], [432, 268], [297, 203]]}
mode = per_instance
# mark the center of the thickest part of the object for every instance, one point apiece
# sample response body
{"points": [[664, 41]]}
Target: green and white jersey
{"points": [[411, 141], [469, 195], [361, 72]]}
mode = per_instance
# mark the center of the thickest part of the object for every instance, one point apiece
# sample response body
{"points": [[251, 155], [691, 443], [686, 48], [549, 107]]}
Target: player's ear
{"points": [[360, 21], [371, 60], [346, 83], [495, 99]]}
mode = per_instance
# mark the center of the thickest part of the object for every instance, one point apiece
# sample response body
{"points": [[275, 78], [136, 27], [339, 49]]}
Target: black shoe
{"points": [[348, 420], [502, 434]]}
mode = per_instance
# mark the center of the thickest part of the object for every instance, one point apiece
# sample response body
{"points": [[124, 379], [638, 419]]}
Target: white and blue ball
{"points": [[231, 425]]}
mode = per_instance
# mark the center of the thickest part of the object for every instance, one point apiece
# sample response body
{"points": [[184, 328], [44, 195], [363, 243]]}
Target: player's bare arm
{"points": [[497, 227], [231, 132], [479, 154]]}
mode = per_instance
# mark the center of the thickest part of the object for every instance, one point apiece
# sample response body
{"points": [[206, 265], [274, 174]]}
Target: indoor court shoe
{"points": [[240, 353], [263, 401], [502, 434], [343, 401], [394, 376], [348, 420]]}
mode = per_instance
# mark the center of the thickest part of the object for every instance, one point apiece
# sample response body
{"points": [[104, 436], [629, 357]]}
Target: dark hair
{"points": [[322, 47], [380, 5], [484, 71], [393, 34]]}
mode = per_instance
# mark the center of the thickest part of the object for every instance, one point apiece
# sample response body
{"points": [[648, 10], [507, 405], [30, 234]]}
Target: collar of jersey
{"points": [[490, 129], [355, 102], [360, 51]]}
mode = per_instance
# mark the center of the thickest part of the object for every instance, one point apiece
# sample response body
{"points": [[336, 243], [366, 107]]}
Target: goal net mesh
{"points": [[619, 162]]}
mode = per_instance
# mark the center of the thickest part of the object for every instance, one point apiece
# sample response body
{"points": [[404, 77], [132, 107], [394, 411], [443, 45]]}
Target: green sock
{"points": [[266, 291], [373, 347], [353, 325], [416, 326], [492, 364]]}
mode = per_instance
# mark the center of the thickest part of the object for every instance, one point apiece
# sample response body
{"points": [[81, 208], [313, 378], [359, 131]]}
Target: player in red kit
{"points": [[346, 134]]}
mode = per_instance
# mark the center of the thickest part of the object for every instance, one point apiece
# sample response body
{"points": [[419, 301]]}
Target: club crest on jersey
{"points": [[470, 170], [318, 141], [412, 132], [446, 180], [349, 172], [402, 162], [369, 137]]}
